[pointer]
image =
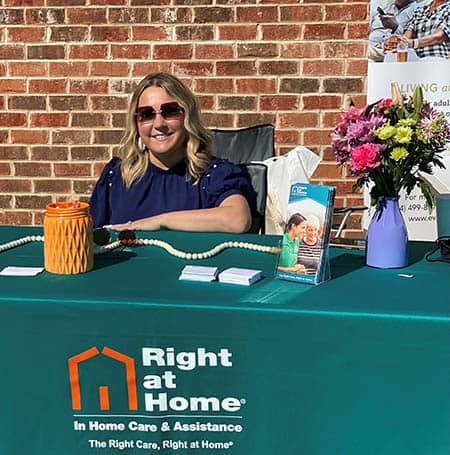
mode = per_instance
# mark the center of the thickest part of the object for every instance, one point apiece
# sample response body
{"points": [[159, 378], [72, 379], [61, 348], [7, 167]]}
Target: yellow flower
{"points": [[399, 153], [385, 132], [403, 135], [406, 122], [420, 136]]}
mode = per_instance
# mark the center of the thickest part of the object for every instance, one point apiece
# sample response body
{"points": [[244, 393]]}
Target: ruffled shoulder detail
{"points": [[99, 202], [223, 179], [111, 168]]}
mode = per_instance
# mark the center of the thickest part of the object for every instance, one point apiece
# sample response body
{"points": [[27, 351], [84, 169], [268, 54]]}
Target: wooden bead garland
{"points": [[161, 244]]}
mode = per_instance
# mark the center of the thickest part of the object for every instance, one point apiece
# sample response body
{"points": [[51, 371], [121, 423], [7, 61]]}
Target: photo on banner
{"points": [[428, 66]]}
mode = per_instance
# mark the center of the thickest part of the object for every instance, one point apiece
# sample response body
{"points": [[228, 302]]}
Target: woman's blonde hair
{"points": [[199, 148]]}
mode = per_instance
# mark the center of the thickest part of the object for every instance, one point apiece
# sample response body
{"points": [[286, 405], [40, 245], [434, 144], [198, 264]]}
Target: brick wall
{"points": [[67, 68]]}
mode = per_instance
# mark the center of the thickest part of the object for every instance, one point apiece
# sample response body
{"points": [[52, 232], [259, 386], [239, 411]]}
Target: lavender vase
{"points": [[387, 237]]}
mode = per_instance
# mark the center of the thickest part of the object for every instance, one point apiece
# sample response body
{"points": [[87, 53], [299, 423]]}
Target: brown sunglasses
{"points": [[168, 111]]}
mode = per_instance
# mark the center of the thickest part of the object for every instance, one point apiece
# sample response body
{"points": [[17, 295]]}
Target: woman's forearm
{"points": [[233, 215], [437, 37]]}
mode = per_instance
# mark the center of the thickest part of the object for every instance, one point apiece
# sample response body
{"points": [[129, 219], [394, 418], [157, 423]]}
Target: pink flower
{"points": [[365, 158], [385, 103]]}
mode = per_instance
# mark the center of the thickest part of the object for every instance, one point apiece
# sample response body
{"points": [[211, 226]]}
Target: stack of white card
{"points": [[21, 271], [198, 273], [236, 275]]}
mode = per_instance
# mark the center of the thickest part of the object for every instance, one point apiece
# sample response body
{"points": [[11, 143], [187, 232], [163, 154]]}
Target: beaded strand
{"points": [[161, 244], [22, 241], [209, 253]]}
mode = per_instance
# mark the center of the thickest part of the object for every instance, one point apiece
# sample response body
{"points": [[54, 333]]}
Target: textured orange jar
{"points": [[68, 244]]}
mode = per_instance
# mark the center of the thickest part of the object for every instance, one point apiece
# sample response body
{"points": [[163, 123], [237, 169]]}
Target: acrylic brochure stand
{"points": [[304, 255]]}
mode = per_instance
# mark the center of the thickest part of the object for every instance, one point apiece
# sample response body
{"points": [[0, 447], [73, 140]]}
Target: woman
{"points": [[295, 229], [168, 178], [428, 32], [310, 245]]}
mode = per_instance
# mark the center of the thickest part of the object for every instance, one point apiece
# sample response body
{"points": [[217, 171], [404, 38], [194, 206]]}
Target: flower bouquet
{"points": [[389, 144]]}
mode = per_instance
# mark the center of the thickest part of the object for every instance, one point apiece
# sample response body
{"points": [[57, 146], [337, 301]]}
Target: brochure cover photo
{"points": [[304, 247]]}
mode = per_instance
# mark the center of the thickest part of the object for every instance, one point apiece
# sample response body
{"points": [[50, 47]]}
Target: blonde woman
{"points": [[167, 177]]}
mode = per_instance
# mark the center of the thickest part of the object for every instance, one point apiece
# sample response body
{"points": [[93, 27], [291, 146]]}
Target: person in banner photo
{"points": [[428, 32], [310, 245], [167, 177], [295, 230], [387, 17]]}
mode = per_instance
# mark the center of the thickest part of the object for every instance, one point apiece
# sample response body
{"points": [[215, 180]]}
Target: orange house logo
{"points": [[103, 390]]}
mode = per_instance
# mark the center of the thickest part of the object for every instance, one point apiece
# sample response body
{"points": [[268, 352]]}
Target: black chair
{"points": [[244, 145], [256, 174]]}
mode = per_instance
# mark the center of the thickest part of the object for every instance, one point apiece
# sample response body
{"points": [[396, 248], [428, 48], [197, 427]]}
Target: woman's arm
{"points": [[297, 268], [232, 215], [438, 36]]}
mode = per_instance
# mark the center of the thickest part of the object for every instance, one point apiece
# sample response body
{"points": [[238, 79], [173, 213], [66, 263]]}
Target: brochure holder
{"points": [[304, 255]]}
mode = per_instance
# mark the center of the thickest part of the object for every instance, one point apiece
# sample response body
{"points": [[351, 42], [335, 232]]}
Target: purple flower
{"points": [[361, 132], [434, 129]]}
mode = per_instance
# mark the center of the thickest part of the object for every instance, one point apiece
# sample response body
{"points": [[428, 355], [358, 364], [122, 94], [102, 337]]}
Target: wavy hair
{"points": [[199, 144]]}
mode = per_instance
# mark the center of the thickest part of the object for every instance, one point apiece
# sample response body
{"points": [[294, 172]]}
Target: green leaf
{"points": [[370, 107], [426, 191], [418, 99]]}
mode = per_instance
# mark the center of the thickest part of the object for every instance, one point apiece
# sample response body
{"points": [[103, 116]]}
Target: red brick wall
{"points": [[67, 67]]}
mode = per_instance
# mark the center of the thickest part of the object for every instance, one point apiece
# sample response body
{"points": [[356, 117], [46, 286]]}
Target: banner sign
{"points": [[432, 74]]}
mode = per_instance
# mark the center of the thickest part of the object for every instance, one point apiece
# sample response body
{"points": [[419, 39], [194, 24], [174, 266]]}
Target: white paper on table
{"points": [[198, 273], [21, 271], [236, 275]]}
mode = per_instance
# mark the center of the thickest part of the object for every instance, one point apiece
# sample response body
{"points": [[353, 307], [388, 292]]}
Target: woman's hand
{"points": [[299, 268], [296, 268], [391, 42], [148, 224], [232, 215], [389, 21]]}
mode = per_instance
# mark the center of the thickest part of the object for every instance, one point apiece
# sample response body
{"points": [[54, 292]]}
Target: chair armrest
{"points": [[346, 211]]}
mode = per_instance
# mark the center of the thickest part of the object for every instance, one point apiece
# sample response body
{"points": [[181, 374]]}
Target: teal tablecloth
{"points": [[357, 366]]}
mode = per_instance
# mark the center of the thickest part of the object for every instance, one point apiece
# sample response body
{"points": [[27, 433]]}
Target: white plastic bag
{"points": [[296, 166]]}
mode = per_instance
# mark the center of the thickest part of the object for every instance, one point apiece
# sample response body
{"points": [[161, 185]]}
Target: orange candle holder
{"points": [[68, 240]]}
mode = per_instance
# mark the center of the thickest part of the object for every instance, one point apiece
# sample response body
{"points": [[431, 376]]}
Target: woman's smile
{"points": [[164, 137]]}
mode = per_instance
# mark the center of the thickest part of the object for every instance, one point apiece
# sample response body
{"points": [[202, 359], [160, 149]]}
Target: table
{"points": [[357, 365]]}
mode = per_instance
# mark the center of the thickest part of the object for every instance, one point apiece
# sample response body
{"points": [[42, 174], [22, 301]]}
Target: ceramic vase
{"points": [[68, 242], [387, 237]]}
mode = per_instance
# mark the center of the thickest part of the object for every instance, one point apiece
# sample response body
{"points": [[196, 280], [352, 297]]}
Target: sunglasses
{"points": [[168, 111], [102, 237]]}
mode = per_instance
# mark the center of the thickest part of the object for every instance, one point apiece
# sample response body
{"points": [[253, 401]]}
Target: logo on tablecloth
{"points": [[158, 388], [130, 372], [210, 421]]}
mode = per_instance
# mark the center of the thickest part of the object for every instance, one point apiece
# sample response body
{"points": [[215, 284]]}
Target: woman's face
{"points": [[163, 133], [300, 229], [311, 232]]}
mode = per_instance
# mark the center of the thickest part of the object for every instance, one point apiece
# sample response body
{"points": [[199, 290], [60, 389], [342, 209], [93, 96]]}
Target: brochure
{"points": [[304, 247]]}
